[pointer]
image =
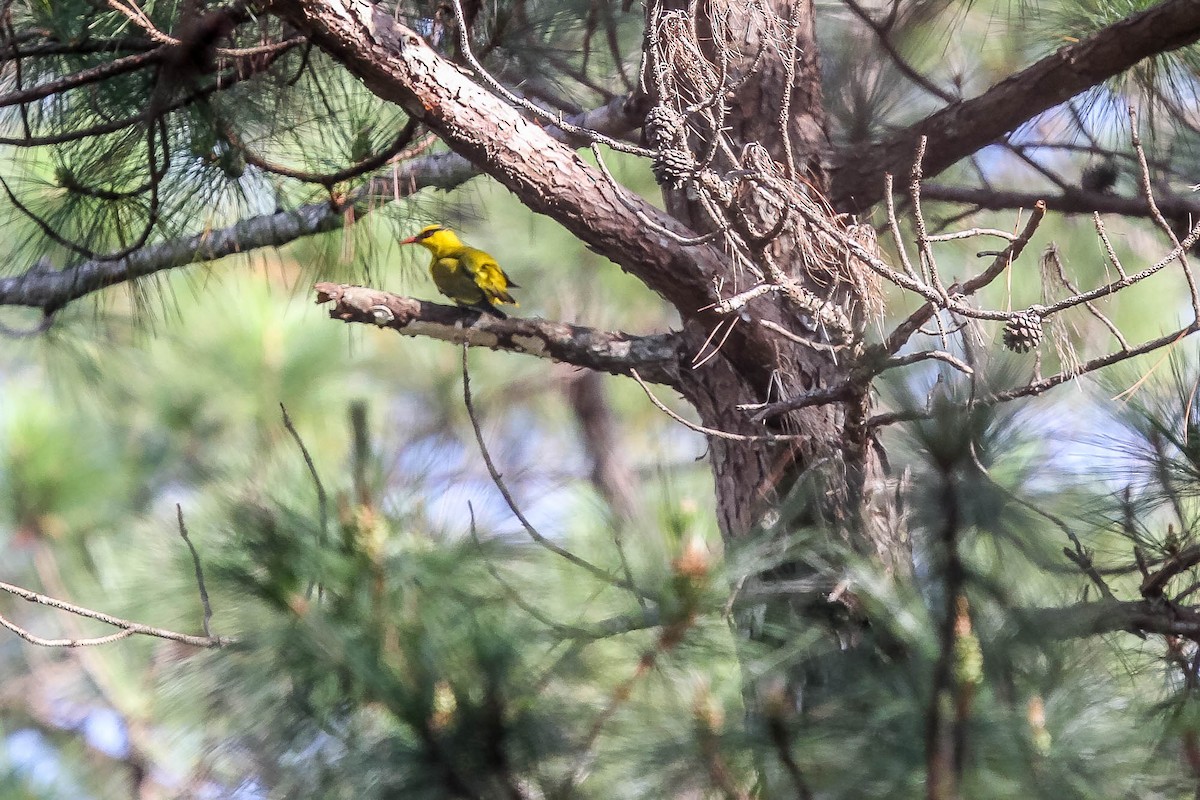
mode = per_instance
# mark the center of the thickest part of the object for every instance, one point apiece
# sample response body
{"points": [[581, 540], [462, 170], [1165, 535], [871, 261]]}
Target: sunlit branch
{"points": [[127, 627], [656, 357]]}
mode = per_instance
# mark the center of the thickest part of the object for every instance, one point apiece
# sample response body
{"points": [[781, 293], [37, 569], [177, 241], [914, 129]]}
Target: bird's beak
{"points": [[409, 240]]}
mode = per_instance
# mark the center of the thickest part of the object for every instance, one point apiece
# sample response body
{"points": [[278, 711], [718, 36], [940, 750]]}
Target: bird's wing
{"points": [[488, 275], [460, 285]]}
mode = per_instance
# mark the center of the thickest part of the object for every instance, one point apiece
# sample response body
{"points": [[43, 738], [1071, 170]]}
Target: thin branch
{"points": [[1080, 557], [1108, 246], [125, 625], [907, 70], [183, 532], [1046, 384], [843, 393], [555, 119], [649, 618], [1051, 255], [1156, 214], [733, 437], [94, 74], [38, 640], [904, 331], [322, 495], [924, 355], [327, 179], [1128, 280], [533, 532], [1076, 202]]}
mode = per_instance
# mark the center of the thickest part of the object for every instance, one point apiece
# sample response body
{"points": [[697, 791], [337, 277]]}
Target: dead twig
{"points": [[127, 627], [183, 533], [533, 532]]}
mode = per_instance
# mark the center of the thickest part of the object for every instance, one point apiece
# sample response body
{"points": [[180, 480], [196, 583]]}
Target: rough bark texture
{"points": [[776, 116], [656, 358]]}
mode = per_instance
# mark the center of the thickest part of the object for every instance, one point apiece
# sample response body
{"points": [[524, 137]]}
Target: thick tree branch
{"points": [[396, 64], [1076, 202], [656, 357], [49, 289], [963, 128], [1112, 616]]}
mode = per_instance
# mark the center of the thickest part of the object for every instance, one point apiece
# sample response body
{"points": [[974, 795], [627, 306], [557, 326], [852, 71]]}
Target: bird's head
{"points": [[434, 238]]}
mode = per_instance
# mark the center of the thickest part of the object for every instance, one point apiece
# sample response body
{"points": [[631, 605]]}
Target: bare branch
{"points": [[733, 437], [183, 532], [127, 628], [534, 534], [1046, 384], [656, 356], [1077, 202], [904, 331], [1156, 214], [41, 642]]}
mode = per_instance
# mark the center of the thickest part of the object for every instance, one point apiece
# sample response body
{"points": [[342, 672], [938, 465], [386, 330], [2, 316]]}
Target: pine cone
{"points": [[1023, 332], [663, 127], [673, 168]]}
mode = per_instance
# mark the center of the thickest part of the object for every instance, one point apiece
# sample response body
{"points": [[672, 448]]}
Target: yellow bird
{"points": [[467, 275]]}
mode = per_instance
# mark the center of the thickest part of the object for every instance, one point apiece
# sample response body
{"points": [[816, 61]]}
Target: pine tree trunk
{"points": [[778, 106]]}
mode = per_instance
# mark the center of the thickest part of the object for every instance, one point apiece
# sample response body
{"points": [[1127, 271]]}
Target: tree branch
{"points": [[656, 357], [1112, 616], [52, 289], [49, 289], [127, 628], [1075, 202], [962, 128]]}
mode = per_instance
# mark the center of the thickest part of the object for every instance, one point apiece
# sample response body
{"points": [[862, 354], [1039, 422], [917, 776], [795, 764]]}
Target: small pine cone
{"points": [[673, 168], [663, 127], [1023, 332]]}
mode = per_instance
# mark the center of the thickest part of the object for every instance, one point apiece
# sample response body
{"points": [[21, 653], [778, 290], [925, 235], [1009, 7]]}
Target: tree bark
{"points": [[769, 50]]}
